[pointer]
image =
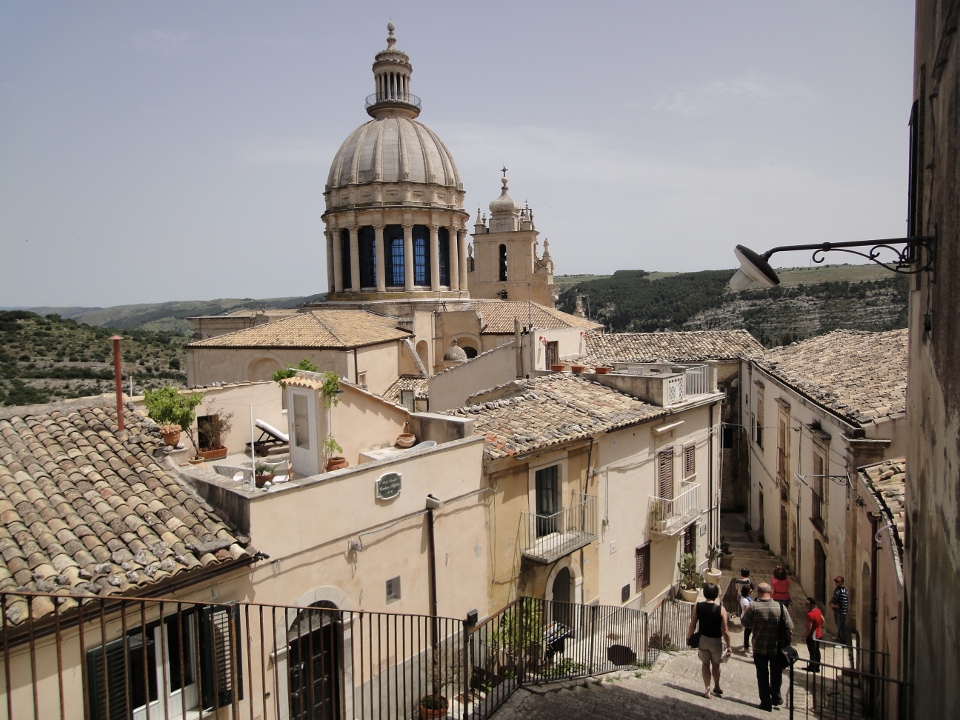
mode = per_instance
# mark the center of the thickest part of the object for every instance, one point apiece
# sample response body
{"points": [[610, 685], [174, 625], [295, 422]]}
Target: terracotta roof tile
{"points": [[498, 316], [860, 376], [888, 481], [694, 346], [72, 520], [327, 328], [419, 385], [529, 415]]}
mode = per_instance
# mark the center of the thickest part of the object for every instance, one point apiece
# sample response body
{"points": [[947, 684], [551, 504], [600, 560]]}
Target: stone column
{"points": [[408, 257], [354, 259], [333, 237], [454, 258], [330, 282], [434, 257], [378, 254], [462, 252]]}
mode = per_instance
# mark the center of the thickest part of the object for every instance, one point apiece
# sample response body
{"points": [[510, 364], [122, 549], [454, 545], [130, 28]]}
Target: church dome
{"points": [[393, 149], [455, 353], [504, 204]]}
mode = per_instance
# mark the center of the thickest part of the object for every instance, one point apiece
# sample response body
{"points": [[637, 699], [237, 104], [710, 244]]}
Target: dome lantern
{"points": [[391, 73]]}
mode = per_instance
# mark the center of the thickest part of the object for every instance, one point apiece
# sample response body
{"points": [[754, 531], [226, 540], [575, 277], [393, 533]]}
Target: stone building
{"points": [[932, 545]]}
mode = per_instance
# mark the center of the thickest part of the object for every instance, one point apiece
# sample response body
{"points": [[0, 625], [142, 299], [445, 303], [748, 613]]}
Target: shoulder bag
{"points": [[786, 654]]}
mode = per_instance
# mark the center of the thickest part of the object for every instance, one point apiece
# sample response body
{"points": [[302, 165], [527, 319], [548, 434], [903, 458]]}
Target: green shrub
{"points": [[166, 406]]}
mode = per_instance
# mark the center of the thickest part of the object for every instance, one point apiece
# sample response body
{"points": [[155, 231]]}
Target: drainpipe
{"points": [[433, 504], [874, 555], [710, 491], [117, 379]]}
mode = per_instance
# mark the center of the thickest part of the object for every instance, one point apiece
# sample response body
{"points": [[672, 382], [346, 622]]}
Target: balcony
{"points": [[670, 516], [546, 538]]}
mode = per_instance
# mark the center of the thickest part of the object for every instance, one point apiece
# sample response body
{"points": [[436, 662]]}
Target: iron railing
{"points": [[392, 98], [850, 683], [671, 515], [545, 538]]}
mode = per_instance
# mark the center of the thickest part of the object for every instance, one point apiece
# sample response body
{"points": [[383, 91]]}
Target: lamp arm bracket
{"points": [[916, 255]]}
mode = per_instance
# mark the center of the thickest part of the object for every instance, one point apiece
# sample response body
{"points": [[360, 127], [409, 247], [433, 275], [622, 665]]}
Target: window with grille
{"points": [[421, 255], [443, 253], [643, 566], [345, 258]]}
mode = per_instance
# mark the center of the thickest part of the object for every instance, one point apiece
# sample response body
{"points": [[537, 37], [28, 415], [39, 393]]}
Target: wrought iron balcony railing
{"points": [[549, 537], [669, 516]]}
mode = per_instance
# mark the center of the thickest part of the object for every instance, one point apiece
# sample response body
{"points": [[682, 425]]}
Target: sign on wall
{"points": [[388, 486]]}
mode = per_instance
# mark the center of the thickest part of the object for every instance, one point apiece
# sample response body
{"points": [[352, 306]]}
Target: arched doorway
{"points": [[313, 650], [562, 591], [819, 572]]}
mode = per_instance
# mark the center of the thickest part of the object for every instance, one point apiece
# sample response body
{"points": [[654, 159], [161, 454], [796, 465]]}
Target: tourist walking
{"points": [[744, 579], [813, 634], [781, 586], [763, 617], [712, 621], [745, 601], [840, 602]]}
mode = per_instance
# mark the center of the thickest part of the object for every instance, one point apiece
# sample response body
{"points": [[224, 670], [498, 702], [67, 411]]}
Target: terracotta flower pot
{"points": [[434, 712], [600, 370], [261, 480], [557, 368], [337, 462], [170, 437], [578, 368], [406, 440], [215, 454]]}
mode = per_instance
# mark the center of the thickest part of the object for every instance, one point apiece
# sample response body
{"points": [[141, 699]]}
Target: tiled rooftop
{"points": [[419, 385], [326, 328], [695, 346], [499, 315], [860, 376], [551, 409], [86, 509], [888, 481]]}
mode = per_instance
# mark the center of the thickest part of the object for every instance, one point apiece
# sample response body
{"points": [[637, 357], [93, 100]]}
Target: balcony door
{"points": [[315, 666], [548, 500]]}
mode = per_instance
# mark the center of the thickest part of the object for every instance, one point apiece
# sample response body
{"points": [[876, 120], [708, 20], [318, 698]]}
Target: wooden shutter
{"points": [[107, 681], [689, 461], [220, 662], [643, 566], [665, 473]]}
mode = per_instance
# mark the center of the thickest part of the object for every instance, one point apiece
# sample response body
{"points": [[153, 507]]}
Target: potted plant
{"points": [[690, 581], [578, 368], [212, 429], [332, 450], [712, 574], [433, 706], [556, 367], [601, 369], [262, 474], [658, 516], [726, 559], [170, 434], [169, 407], [289, 371]]}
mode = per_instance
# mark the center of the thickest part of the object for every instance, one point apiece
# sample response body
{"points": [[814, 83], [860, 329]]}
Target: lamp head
{"points": [[754, 268]]}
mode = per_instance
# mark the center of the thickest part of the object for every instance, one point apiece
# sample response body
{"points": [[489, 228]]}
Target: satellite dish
{"points": [[754, 268]]}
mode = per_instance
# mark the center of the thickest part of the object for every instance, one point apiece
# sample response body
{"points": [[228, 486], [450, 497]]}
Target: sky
{"points": [[178, 150]]}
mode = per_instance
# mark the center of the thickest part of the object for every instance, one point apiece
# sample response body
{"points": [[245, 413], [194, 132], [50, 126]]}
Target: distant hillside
{"points": [[51, 358], [808, 302], [168, 316]]}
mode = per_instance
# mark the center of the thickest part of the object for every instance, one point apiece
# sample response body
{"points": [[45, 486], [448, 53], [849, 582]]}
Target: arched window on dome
{"points": [[421, 255], [503, 263], [444, 256], [393, 251], [345, 259], [367, 243]]}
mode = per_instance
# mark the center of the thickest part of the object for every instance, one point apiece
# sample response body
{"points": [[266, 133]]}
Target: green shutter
{"points": [[113, 679], [221, 653]]}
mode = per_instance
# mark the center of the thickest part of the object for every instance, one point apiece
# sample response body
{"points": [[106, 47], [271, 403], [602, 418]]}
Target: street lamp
{"points": [[916, 256]]}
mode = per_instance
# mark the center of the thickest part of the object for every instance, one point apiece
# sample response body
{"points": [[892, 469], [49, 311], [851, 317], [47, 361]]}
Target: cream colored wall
{"points": [[627, 479], [380, 362], [451, 388], [206, 366], [360, 421], [306, 528]]}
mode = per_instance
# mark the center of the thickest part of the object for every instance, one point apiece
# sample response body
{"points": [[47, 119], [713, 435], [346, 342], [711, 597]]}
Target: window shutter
{"points": [[220, 649], [689, 461], [665, 473], [112, 679], [643, 567], [688, 539]]}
